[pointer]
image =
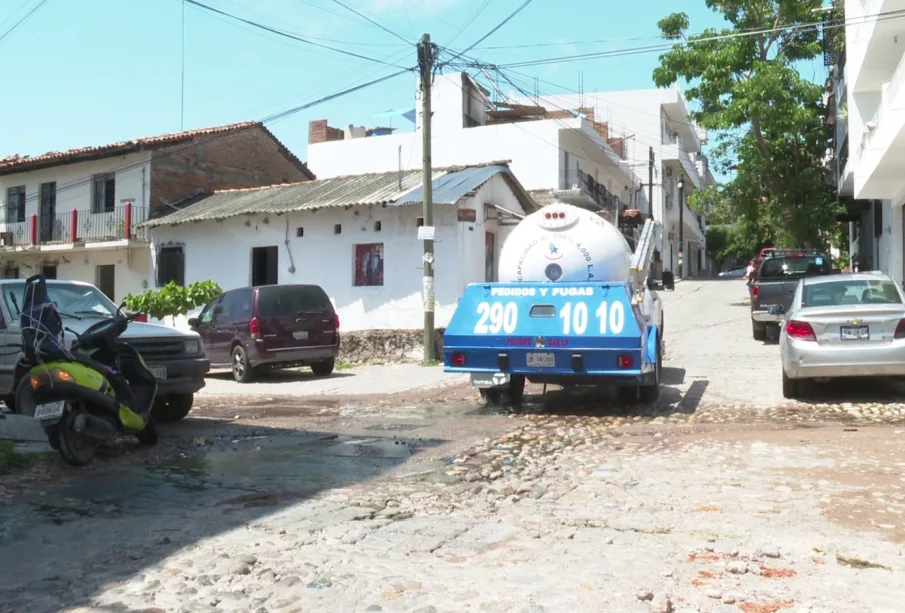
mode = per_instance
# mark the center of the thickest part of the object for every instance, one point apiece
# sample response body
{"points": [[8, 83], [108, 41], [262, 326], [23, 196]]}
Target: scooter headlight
{"points": [[192, 347]]}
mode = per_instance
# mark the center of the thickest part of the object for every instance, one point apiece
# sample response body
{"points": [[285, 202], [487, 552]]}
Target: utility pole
{"points": [[426, 66], [650, 182], [681, 227]]}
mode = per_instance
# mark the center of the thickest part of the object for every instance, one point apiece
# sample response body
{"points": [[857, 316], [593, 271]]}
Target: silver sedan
{"points": [[844, 325]]}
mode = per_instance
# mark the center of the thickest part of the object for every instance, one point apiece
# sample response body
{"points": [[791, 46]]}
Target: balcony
{"points": [[578, 187], [674, 151], [74, 229]]}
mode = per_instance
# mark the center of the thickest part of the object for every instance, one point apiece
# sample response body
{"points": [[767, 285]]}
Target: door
{"points": [[264, 266], [205, 327], [232, 322], [489, 257], [47, 213], [294, 317], [49, 272], [104, 279]]}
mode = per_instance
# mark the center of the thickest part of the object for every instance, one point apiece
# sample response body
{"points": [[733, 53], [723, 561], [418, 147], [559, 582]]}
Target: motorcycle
{"points": [[97, 390]]}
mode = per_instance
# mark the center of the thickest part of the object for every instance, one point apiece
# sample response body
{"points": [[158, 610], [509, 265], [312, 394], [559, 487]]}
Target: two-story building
{"points": [[561, 147], [75, 214], [555, 153]]}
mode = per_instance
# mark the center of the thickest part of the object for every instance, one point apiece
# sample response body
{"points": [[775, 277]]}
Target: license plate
{"points": [[51, 410], [159, 372], [300, 335], [541, 360], [854, 333]]}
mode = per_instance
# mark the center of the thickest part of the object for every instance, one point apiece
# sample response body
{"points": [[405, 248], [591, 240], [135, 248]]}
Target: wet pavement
{"points": [[719, 498]]}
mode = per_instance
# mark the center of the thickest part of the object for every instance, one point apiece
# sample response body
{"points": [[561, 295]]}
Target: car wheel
{"points": [[790, 387], [323, 368], [172, 408], [242, 370], [758, 332]]}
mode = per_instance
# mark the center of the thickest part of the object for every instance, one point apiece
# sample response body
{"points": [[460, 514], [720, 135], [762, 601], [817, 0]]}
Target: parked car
{"points": [[175, 357], [842, 325], [776, 281], [270, 326], [736, 272]]}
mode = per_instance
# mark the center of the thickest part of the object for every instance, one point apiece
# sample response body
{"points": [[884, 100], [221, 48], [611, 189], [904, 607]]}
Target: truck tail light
{"points": [[254, 328], [624, 361], [457, 359]]}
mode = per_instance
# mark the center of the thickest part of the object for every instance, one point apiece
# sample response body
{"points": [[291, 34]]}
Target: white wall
{"points": [[131, 273], [74, 185], [222, 251]]}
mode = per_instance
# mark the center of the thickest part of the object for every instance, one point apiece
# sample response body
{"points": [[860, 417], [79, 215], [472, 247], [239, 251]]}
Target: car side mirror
{"points": [[776, 309], [193, 322]]}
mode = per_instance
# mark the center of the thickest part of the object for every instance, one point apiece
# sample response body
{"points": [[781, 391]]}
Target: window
{"points": [[49, 271], [338, 229], [377, 226], [207, 316], [170, 266], [420, 221], [104, 276], [836, 293], [369, 265], [236, 306], [11, 273], [299, 232], [292, 300], [103, 196], [15, 204], [791, 266]]}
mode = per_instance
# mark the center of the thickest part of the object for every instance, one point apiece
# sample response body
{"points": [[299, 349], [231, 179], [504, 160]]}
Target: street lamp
{"points": [[681, 186]]}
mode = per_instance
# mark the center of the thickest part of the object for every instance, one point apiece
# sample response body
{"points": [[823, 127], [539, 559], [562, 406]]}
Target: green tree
{"points": [[715, 203], [718, 243], [770, 120]]}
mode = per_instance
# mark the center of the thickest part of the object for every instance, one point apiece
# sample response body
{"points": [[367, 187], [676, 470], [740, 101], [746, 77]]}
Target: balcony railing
{"points": [[582, 181], [76, 226]]}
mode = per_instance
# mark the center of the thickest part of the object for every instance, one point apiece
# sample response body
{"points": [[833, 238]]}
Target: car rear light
{"points": [[900, 329], [336, 321], [142, 317], [755, 292], [800, 330], [254, 328], [457, 359], [624, 361]]}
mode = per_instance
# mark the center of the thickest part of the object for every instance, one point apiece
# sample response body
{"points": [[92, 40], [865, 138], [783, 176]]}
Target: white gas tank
{"points": [[564, 243]]}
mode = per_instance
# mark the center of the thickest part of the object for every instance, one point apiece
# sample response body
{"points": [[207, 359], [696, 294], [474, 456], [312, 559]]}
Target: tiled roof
{"points": [[19, 163], [383, 188]]}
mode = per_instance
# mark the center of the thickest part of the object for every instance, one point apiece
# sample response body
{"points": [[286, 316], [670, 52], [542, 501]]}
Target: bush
{"points": [[172, 300]]}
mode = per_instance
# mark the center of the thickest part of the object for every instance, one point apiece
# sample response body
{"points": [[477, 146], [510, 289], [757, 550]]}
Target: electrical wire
{"points": [[368, 19], [517, 10], [267, 28], [21, 21], [270, 119], [469, 21]]}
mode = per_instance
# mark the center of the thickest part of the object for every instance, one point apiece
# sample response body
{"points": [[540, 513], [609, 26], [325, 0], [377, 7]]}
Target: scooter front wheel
{"points": [[76, 449]]}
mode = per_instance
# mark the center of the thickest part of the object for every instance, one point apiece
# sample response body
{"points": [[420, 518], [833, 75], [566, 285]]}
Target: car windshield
{"points": [[70, 299], [780, 267], [861, 291], [290, 300]]}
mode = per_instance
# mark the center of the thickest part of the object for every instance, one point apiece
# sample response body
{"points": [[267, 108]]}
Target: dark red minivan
{"points": [[270, 326]]}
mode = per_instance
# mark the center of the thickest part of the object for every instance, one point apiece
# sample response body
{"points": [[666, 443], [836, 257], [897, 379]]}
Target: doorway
{"points": [[48, 212], [264, 265], [49, 272], [489, 257], [104, 279]]}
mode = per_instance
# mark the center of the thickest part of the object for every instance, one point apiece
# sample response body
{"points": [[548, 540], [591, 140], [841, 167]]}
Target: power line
{"points": [[295, 37], [470, 20], [270, 119], [25, 18], [703, 39], [517, 10], [365, 17]]}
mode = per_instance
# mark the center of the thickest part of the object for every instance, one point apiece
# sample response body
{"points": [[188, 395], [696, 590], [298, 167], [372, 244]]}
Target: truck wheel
{"points": [[173, 408], [492, 396], [758, 332], [790, 387], [651, 393]]}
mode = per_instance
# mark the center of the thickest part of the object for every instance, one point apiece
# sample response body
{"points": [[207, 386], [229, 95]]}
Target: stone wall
{"points": [[386, 346]]}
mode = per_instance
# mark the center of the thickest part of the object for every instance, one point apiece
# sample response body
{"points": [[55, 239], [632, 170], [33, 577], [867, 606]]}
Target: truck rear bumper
{"points": [[486, 379], [764, 317]]}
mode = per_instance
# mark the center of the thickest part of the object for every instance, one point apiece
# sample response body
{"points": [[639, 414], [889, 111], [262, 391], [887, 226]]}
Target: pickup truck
{"points": [[177, 358], [775, 284]]}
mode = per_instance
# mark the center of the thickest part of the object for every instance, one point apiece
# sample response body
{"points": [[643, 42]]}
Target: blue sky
{"points": [[90, 72]]}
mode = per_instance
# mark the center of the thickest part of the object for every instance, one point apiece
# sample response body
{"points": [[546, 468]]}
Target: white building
{"points": [[76, 214], [560, 148], [356, 236], [869, 92]]}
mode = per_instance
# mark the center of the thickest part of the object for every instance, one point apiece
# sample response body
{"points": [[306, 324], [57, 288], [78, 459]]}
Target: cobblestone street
{"points": [[724, 497]]}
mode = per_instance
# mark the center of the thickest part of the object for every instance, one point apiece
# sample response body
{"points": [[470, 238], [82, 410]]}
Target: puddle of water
{"points": [[395, 427]]}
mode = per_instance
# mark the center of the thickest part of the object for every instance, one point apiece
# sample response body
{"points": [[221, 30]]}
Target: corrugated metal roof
{"points": [[451, 188], [450, 185]]}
